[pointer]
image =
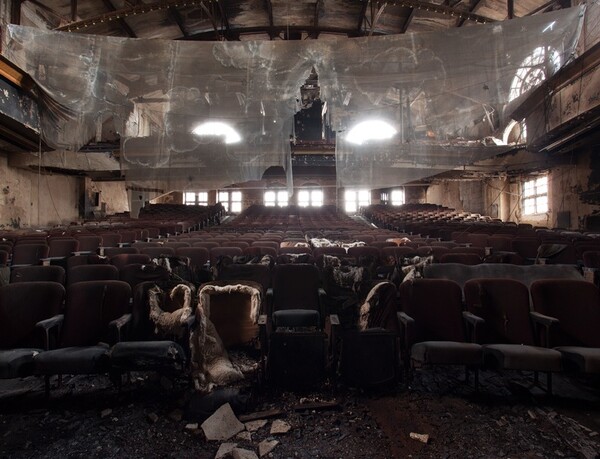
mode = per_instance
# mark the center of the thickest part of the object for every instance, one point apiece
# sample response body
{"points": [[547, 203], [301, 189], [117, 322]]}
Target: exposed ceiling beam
{"points": [[408, 20], [476, 4], [48, 10], [269, 7], [15, 12], [174, 13], [212, 19], [224, 18], [128, 30], [443, 9], [510, 6], [124, 12], [377, 16], [73, 10], [361, 17], [318, 7], [542, 8]]}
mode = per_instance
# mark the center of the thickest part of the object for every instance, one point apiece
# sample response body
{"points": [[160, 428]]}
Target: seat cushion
{"points": [[583, 359], [72, 360], [447, 353], [15, 363], [522, 357], [147, 355], [296, 318]]}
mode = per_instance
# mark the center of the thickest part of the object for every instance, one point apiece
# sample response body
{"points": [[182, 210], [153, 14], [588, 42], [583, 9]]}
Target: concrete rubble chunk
{"points": [[266, 446], [424, 438], [280, 427], [253, 426], [191, 426], [239, 453], [225, 450], [244, 436], [105, 413], [222, 425]]}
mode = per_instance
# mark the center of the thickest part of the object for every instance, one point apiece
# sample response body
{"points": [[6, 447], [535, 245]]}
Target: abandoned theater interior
{"points": [[322, 228]]}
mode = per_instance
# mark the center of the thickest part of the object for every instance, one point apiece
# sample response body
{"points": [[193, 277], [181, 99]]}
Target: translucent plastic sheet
{"points": [[443, 92]]}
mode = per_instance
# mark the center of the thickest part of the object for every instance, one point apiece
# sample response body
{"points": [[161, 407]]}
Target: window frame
{"points": [[534, 196]]}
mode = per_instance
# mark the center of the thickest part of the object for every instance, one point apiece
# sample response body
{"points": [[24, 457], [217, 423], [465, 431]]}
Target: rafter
{"points": [[174, 13], [376, 19], [362, 16], [211, 17], [115, 15], [543, 7], [472, 9], [48, 10], [408, 20], [510, 6], [15, 12], [269, 7], [128, 30], [73, 10], [318, 7], [224, 18]]}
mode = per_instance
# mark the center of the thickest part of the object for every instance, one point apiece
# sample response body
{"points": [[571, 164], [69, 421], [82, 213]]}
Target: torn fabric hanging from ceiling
{"points": [[444, 93]]}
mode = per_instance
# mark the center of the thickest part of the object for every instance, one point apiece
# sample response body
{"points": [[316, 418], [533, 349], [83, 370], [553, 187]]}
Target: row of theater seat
{"points": [[497, 327]]}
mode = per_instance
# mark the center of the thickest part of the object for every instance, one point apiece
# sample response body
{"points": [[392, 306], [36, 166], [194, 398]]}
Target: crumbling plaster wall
{"points": [[467, 195], [30, 200], [565, 183]]}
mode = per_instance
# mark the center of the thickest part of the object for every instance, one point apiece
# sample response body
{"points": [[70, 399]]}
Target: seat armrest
{"points": [[542, 320], [119, 324], [407, 325], [47, 325], [473, 322]]}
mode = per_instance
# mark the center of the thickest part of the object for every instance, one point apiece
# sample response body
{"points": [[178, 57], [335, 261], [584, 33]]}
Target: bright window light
{"points": [[535, 196], [218, 129], [370, 130]]}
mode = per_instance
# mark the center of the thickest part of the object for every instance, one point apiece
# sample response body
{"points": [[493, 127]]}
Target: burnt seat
{"points": [[434, 329], [22, 306], [369, 351], [570, 314], [94, 314], [506, 327], [294, 327]]}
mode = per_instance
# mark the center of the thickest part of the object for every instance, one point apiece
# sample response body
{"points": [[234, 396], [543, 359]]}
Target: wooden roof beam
{"points": [[176, 17], [128, 30]]}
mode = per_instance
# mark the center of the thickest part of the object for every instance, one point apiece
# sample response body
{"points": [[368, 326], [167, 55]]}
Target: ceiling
{"points": [[266, 19]]}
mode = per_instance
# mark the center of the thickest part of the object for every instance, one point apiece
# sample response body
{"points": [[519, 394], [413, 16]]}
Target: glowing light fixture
{"points": [[370, 130], [219, 129]]}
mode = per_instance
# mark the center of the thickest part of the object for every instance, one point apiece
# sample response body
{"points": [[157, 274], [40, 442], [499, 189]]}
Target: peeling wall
{"points": [[19, 205], [459, 195], [114, 194]]}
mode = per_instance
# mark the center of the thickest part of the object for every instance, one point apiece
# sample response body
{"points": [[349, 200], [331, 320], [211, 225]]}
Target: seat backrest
{"points": [[29, 254], [157, 252], [89, 243], [198, 255], [22, 305], [462, 258], [125, 259], [217, 252], [62, 247], [206, 244], [89, 309], [111, 239], [436, 306], [361, 253], [112, 251], [233, 308], [504, 305], [52, 273], [254, 272], [296, 286], [137, 273], [576, 304], [92, 272]]}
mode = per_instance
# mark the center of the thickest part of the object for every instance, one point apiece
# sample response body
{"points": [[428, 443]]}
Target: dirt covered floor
{"points": [[149, 417]]}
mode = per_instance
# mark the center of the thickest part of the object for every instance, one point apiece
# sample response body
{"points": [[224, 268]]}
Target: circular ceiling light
{"points": [[370, 130], [217, 129]]}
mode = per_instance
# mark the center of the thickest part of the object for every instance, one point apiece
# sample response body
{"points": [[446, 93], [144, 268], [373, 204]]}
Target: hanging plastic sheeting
{"points": [[443, 93]]}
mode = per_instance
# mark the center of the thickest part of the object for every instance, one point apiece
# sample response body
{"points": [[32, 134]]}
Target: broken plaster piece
{"points": [[222, 425]]}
